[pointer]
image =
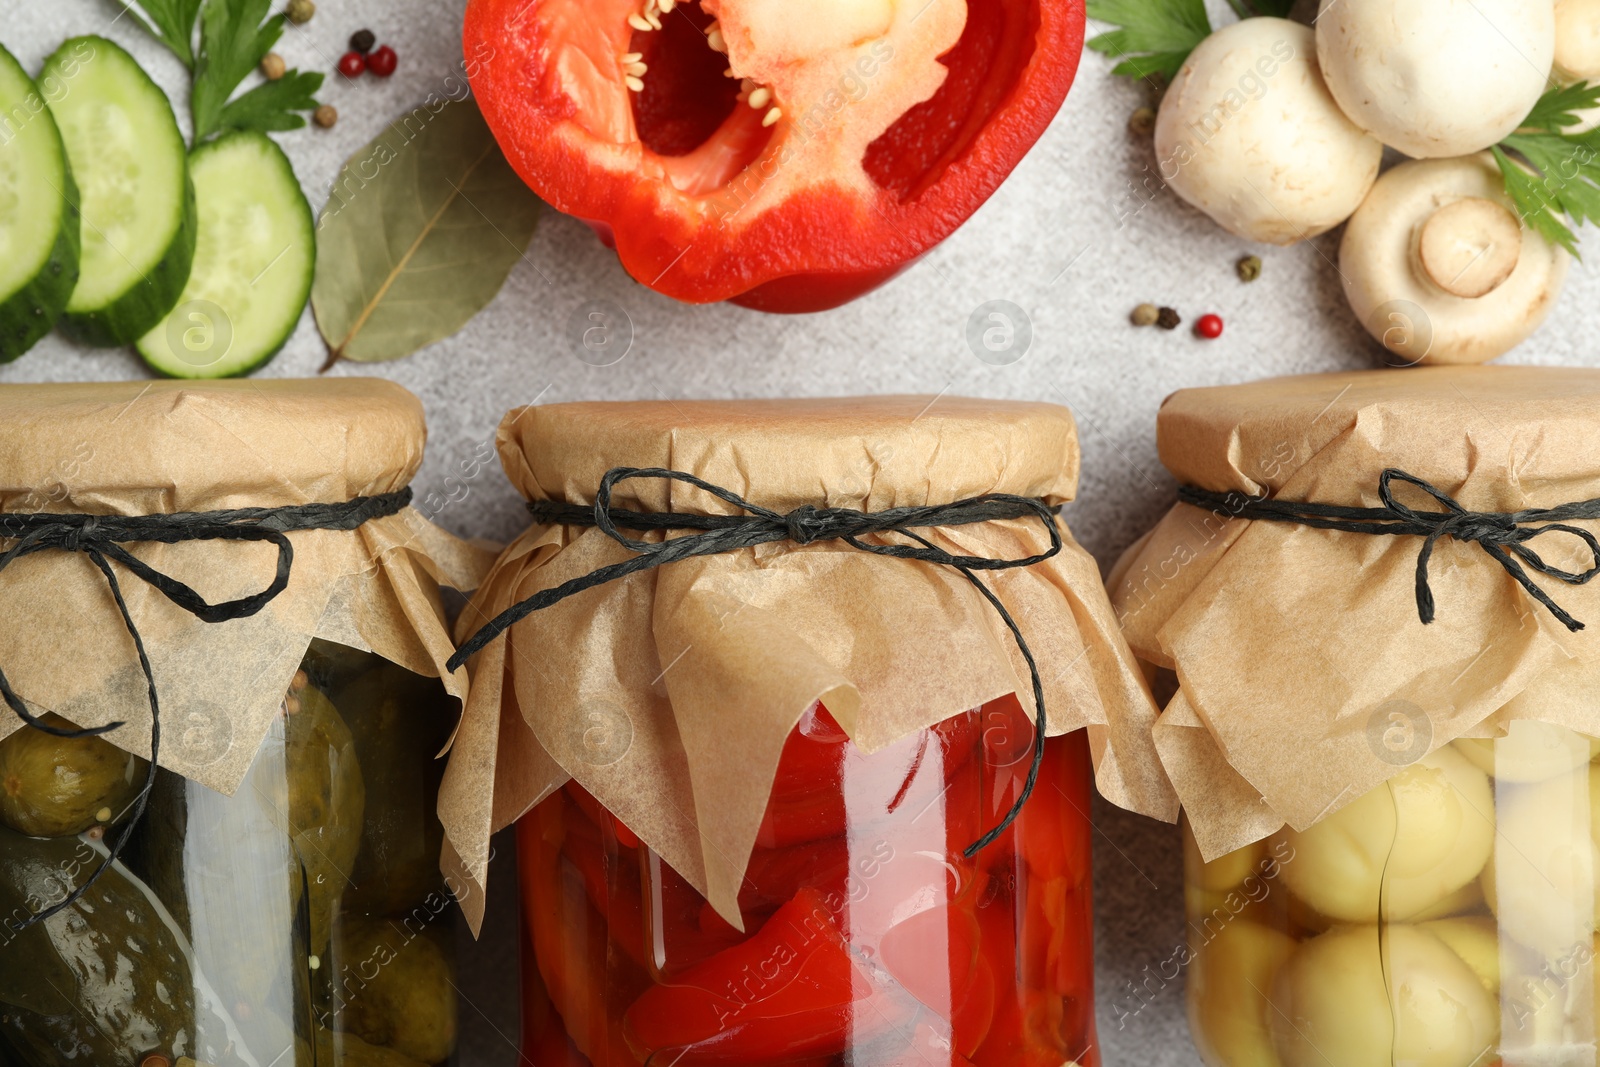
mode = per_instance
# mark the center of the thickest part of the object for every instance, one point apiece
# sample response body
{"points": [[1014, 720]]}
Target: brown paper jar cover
{"points": [[669, 694], [1295, 648], [142, 448]]}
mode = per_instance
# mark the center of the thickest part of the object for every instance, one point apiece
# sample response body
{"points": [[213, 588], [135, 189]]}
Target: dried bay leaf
{"points": [[420, 231]]}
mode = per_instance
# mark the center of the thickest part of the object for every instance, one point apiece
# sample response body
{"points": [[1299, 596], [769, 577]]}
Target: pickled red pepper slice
{"points": [[788, 992]]}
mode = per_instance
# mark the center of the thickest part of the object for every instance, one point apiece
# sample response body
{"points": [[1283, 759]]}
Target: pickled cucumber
{"points": [[394, 988], [60, 786], [105, 982], [325, 806], [348, 1050], [399, 721]]}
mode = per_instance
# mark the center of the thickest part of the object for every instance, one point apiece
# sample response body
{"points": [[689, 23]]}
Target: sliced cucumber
{"points": [[137, 201], [38, 215], [252, 268]]}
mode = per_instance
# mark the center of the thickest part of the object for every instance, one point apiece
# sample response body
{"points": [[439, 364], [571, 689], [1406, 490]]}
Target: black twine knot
{"points": [[101, 538], [804, 525], [1503, 536]]}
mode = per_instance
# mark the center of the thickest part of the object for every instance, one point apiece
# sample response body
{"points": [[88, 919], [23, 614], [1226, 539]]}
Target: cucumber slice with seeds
{"points": [[38, 215], [137, 201], [252, 268]]}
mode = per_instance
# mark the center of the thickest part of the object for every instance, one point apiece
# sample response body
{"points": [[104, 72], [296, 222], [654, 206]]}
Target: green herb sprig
{"points": [[1153, 37], [1555, 176], [234, 36]]}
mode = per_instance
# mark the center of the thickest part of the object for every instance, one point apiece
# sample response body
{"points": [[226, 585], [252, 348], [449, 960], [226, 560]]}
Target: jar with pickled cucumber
{"points": [[220, 844], [305, 912], [1367, 615]]}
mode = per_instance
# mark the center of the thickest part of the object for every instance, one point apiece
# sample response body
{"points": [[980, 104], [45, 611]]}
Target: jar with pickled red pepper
{"points": [[784, 800], [1369, 608], [270, 891]]}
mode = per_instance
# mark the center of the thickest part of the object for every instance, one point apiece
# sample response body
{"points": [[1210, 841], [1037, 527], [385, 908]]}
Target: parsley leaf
{"points": [[1558, 108], [234, 37], [273, 106], [1153, 37], [169, 21], [1557, 177]]}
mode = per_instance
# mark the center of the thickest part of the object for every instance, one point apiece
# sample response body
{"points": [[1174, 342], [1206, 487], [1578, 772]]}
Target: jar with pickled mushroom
{"points": [[219, 841], [1384, 728], [762, 830]]}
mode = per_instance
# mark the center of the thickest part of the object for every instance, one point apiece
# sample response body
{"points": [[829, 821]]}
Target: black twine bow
{"points": [[1504, 536], [101, 537], [803, 526]]}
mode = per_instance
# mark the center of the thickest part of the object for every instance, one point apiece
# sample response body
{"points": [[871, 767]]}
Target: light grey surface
{"points": [[1076, 237]]}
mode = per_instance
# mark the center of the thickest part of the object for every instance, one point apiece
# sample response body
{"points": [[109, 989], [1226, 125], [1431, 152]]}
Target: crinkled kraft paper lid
{"points": [[693, 675], [142, 448], [1296, 648], [149, 447]]}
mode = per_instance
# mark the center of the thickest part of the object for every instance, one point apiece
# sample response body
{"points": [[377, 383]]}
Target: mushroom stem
{"points": [[1470, 247]]}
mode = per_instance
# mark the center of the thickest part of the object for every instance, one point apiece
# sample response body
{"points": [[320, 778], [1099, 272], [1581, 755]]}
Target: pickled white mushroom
{"points": [[1468, 898], [1437, 78], [1536, 751], [1229, 984], [1438, 267], [1358, 997], [1410, 844], [1542, 884], [1249, 134], [1477, 941]]}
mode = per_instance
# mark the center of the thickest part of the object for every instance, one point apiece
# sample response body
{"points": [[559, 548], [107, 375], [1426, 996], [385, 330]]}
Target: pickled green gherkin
{"points": [[333, 666], [105, 982], [348, 1050], [393, 988], [326, 804], [60, 786], [399, 722]]}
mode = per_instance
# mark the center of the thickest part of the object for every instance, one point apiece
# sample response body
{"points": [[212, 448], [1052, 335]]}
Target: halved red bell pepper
{"points": [[788, 157]]}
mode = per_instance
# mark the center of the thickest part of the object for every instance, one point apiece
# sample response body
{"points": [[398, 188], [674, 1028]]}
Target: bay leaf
{"points": [[420, 231]]}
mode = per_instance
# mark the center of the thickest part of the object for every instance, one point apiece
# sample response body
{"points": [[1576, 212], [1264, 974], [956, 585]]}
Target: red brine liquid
{"points": [[869, 940]]}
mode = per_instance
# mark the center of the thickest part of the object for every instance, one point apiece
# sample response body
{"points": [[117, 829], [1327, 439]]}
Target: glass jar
{"points": [[1444, 919], [869, 937], [301, 921]]}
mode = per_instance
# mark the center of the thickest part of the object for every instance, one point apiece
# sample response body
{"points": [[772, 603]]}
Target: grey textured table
{"points": [[1073, 238]]}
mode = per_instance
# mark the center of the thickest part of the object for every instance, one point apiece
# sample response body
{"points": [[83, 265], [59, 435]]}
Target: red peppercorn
{"points": [[1209, 327], [383, 61], [351, 64]]}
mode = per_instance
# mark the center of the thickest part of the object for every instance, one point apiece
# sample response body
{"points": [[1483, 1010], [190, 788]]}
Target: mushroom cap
{"points": [[1249, 134], [1577, 54], [1437, 78], [1459, 209]]}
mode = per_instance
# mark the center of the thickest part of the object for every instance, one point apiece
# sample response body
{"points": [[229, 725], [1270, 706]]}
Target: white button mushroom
{"points": [[1249, 134], [1578, 51], [1437, 78], [1408, 844], [1438, 267], [1359, 996]]}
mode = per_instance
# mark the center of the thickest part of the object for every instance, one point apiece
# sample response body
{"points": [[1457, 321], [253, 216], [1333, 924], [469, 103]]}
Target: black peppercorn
{"points": [[362, 41], [1168, 319]]}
